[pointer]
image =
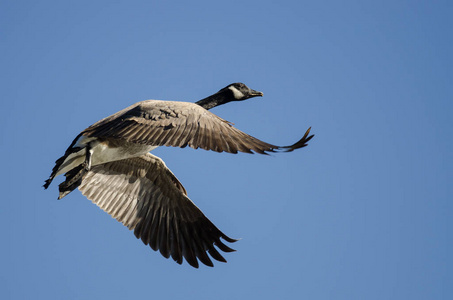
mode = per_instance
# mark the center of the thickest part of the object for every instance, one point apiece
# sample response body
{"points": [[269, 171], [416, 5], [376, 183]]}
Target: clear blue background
{"points": [[364, 212]]}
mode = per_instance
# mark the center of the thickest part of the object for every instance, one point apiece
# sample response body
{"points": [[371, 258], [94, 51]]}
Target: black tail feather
{"points": [[75, 176], [73, 180], [58, 163], [71, 149]]}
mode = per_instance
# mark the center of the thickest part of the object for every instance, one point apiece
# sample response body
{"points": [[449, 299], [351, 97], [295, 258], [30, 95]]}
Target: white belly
{"points": [[102, 153]]}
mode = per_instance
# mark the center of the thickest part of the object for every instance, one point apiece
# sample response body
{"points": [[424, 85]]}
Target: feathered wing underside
{"points": [[180, 124], [145, 196]]}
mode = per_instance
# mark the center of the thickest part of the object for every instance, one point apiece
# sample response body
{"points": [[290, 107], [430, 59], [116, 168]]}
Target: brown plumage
{"points": [[110, 164], [179, 124], [162, 215]]}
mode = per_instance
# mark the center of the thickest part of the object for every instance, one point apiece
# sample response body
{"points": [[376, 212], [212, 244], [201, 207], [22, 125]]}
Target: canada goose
{"points": [[111, 165]]}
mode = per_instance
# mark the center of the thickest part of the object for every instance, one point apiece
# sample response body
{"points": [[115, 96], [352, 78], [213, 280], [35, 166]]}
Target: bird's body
{"points": [[111, 165], [102, 152]]}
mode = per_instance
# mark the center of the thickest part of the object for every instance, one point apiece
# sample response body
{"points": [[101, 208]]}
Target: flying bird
{"points": [[109, 162]]}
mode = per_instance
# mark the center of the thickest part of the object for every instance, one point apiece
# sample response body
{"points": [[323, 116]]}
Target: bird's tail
{"points": [[55, 170], [76, 162], [74, 178], [63, 161]]}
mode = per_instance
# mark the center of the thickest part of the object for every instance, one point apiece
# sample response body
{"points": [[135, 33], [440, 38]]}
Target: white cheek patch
{"points": [[237, 93]]}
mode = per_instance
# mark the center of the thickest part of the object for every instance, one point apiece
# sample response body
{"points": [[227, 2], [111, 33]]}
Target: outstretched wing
{"points": [[144, 195], [181, 124]]}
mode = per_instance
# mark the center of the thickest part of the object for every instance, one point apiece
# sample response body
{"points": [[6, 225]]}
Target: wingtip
{"points": [[301, 143]]}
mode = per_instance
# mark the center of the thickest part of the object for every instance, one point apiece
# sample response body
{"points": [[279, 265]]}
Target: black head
{"points": [[240, 91], [232, 92]]}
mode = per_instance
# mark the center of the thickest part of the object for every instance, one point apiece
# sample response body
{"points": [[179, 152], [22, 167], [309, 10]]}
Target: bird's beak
{"points": [[254, 93]]}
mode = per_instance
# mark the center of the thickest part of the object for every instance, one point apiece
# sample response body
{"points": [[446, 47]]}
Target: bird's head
{"points": [[240, 91]]}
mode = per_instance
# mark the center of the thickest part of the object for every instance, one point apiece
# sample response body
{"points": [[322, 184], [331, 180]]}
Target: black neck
{"points": [[217, 99]]}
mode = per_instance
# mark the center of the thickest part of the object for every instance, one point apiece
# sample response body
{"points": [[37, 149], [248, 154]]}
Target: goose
{"points": [[111, 164]]}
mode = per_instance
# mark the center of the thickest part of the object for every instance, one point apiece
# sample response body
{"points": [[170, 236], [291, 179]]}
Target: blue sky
{"points": [[364, 212]]}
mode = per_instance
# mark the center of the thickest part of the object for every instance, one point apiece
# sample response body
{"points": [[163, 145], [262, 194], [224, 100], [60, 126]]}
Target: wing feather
{"points": [[178, 124], [145, 196]]}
